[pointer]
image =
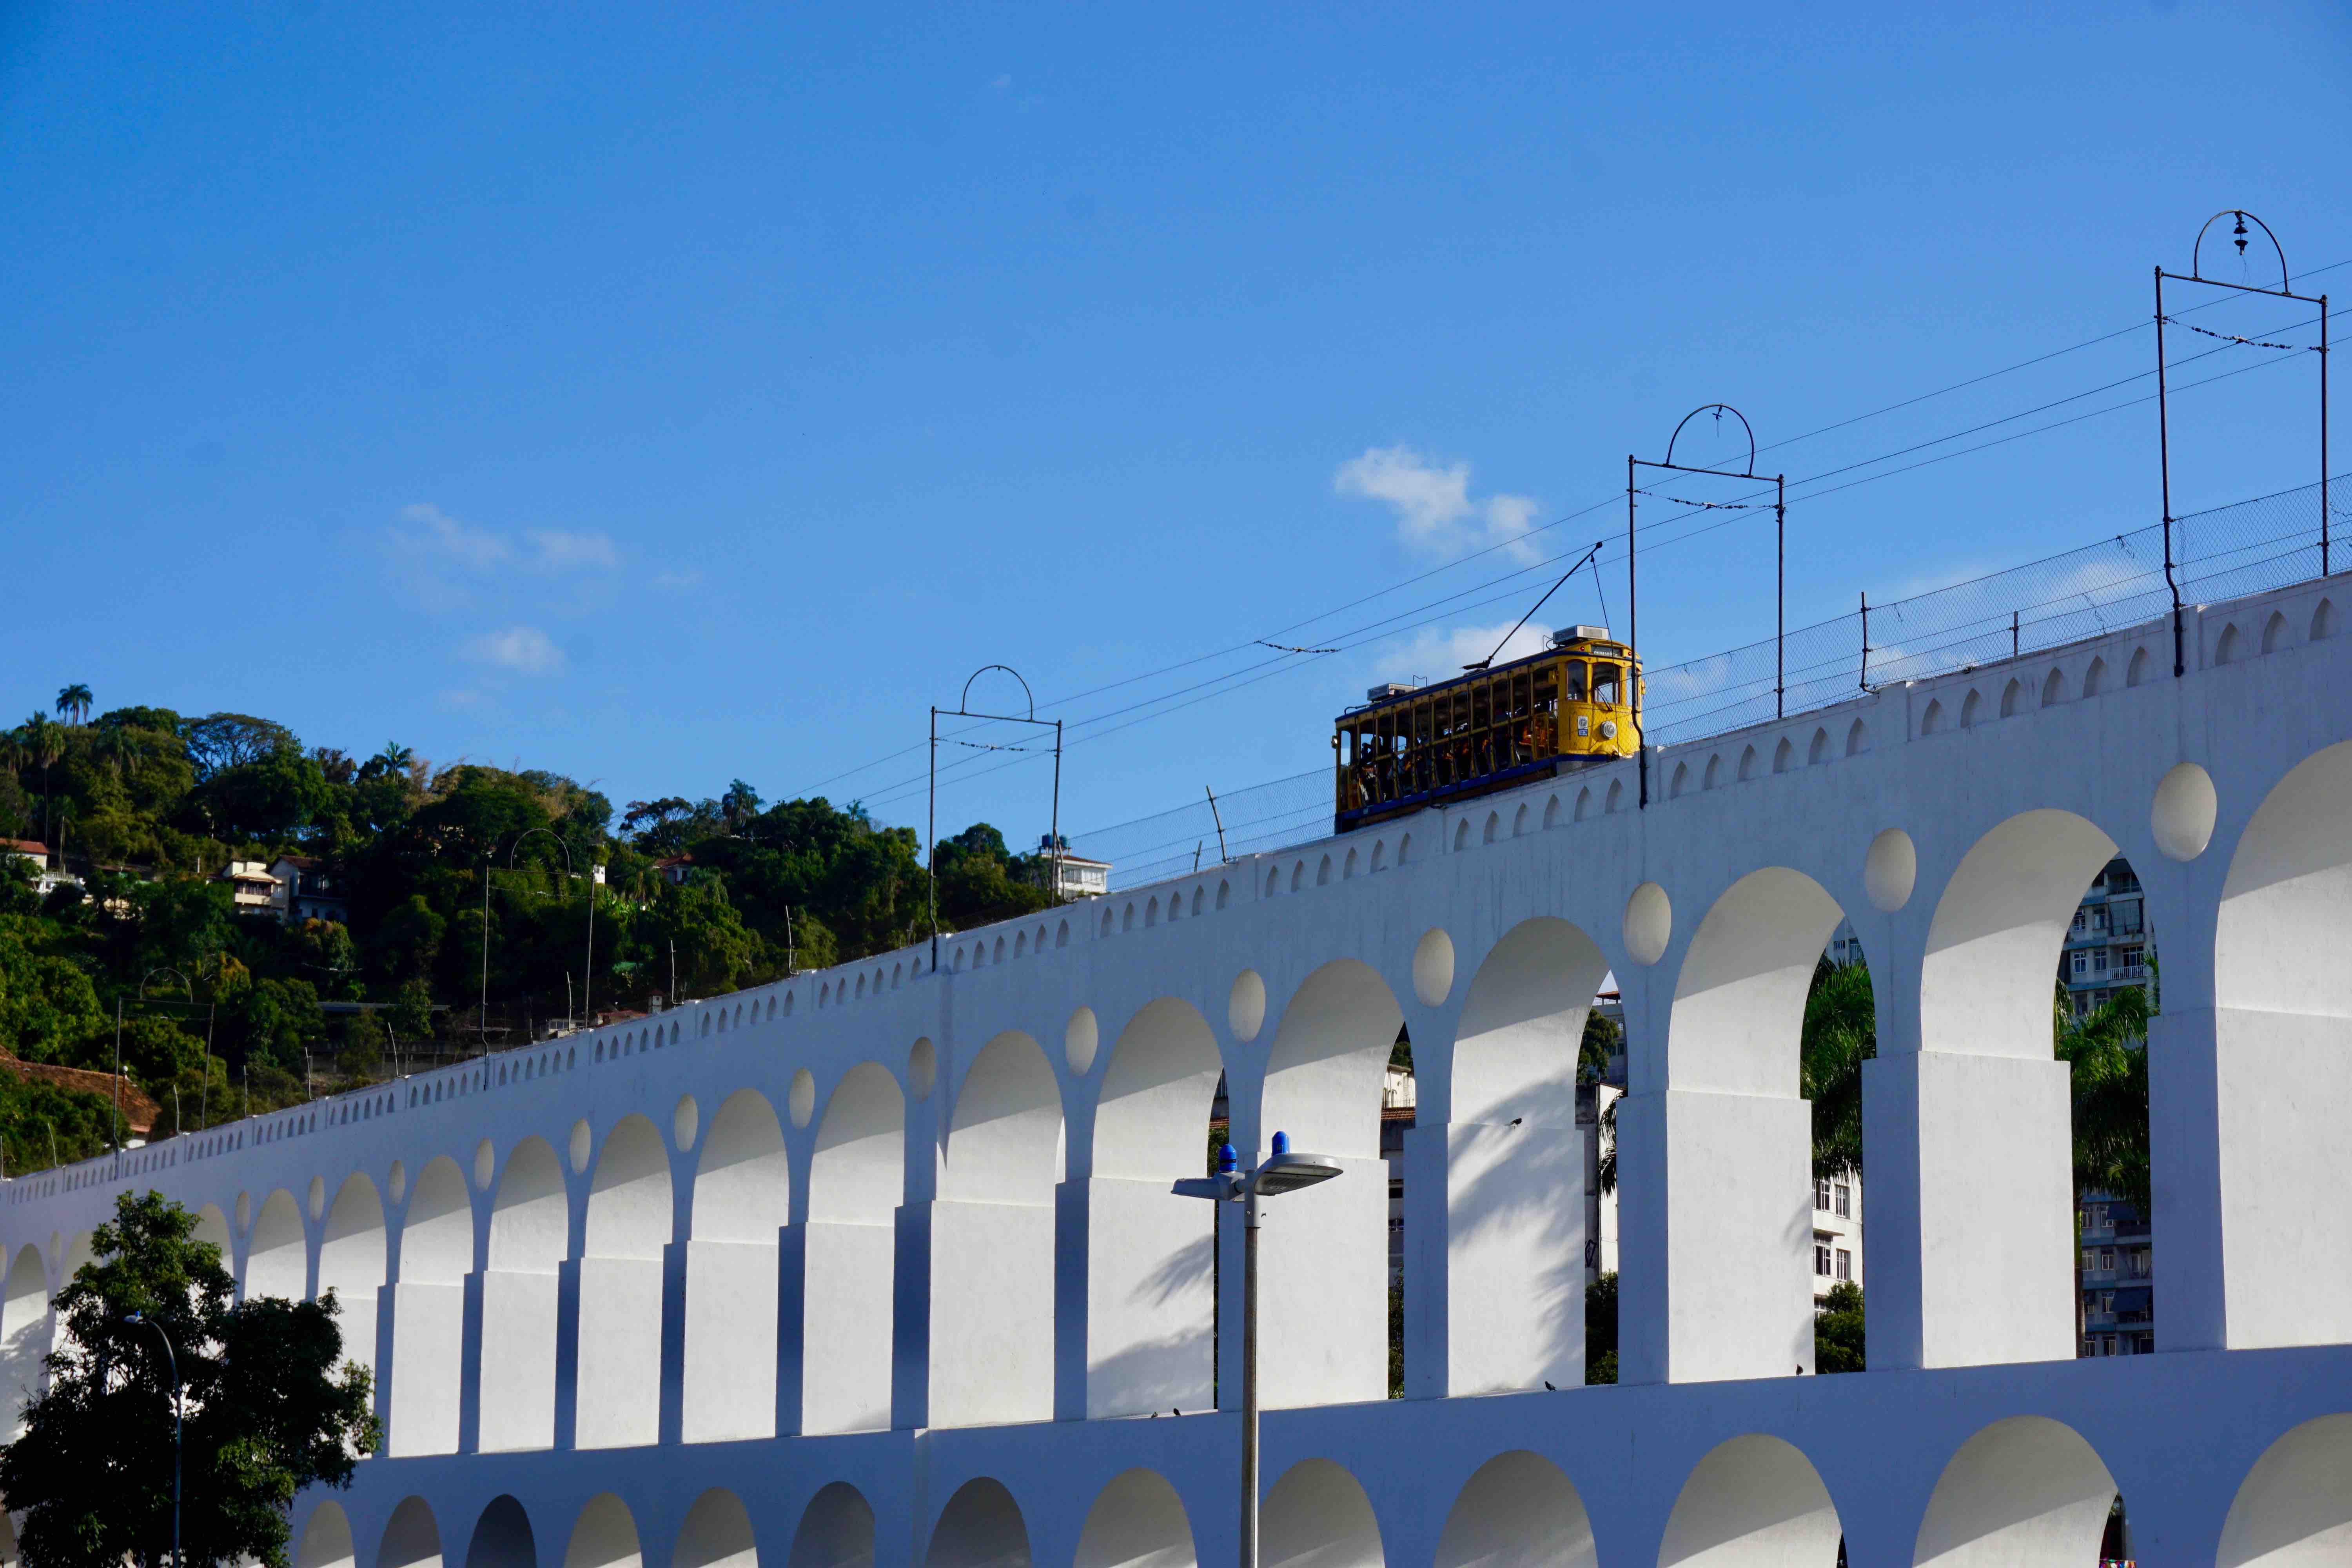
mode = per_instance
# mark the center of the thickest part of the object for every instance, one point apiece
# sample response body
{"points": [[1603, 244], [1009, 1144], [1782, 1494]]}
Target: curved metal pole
{"points": [[172, 1361], [2196, 250], [166, 969], [965, 700], [587, 979], [1727, 408]]}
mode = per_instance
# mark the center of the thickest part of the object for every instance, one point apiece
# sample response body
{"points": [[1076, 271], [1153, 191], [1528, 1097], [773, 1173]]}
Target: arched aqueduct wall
{"points": [[879, 1264]]}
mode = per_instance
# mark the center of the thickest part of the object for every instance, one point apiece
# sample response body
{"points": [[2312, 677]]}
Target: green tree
{"points": [[1841, 1033], [270, 1406], [411, 1012], [2107, 1049], [1604, 1038], [1601, 1329], [1837, 1329], [73, 702]]}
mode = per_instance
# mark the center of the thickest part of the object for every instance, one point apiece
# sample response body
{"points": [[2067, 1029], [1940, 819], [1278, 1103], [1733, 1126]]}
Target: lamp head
{"points": [[1282, 1143], [1284, 1172], [1227, 1161]]}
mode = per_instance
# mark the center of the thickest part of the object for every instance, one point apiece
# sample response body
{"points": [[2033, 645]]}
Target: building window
{"points": [[2090, 1258], [1821, 1256], [1844, 1264], [2107, 1259], [1845, 1205], [2082, 965], [1822, 1194]]}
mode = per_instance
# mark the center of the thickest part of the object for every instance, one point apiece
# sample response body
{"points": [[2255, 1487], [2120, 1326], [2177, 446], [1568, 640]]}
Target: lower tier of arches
{"points": [[2234, 1459]]}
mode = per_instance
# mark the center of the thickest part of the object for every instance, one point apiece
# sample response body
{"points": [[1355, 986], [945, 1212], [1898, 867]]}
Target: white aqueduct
{"points": [[880, 1266]]}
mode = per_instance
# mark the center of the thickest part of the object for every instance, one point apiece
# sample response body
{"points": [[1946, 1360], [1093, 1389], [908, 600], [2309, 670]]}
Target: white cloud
{"points": [[451, 564], [519, 650], [1435, 654], [1435, 509], [558, 550]]}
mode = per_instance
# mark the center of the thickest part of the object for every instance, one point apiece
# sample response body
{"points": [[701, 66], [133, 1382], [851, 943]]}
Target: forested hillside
{"points": [[432, 864]]}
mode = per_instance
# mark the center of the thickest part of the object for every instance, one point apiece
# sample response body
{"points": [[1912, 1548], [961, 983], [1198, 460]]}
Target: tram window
{"points": [[1604, 683], [1574, 669]]}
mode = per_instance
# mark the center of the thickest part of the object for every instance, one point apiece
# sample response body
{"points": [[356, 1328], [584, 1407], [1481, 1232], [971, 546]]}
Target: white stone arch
{"points": [[856, 1181], [412, 1539], [502, 1536], [1583, 803], [1713, 775], [2012, 697], [2229, 647], [1519, 1510], [278, 1252], [2274, 632], [1462, 834], [1520, 821], [2141, 668], [2323, 620], [1748, 764], [1932, 721], [2282, 1023], [1137, 1521], [1551, 812], [2094, 677], [1735, 1184], [1317, 1516], [835, 1531], [1857, 739], [1515, 1161], [2293, 1509], [742, 1199], [1323, 872], [326, 1539], [2053, 689], [717, 1534], [212, 1226], [1784, 755], [2024, 1493], [530, 1237], [352, 1263], [24, 1335], [1681, 780], [605, 1535], [1323, 1296], [1818, 751], [1971, 708], [1151, 1302], [1985, 1078], [1752, 1499], [994, 1228], [981, 1527], [429, 1315], [630, 1221]]}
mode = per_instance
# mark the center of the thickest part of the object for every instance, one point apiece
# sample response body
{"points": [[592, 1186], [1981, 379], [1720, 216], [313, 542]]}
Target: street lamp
{"points": [[174, 1362], [588, 973], [1281, 1172]]}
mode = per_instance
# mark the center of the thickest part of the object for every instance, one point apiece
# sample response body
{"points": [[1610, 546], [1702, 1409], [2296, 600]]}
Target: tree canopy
{"points": [[227, 1014], [270, 1407]]}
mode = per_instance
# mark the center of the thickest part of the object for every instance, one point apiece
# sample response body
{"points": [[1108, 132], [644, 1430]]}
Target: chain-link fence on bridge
{"points": [[2243, 548]]}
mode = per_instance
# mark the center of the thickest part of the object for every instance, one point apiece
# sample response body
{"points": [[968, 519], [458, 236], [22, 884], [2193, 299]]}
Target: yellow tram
{"points": [[1410, 747]]}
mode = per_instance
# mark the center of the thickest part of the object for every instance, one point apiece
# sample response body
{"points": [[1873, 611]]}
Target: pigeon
{"points": [[1175, 1412], [1548, 1387]]}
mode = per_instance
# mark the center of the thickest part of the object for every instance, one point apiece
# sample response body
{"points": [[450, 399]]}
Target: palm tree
{"points": [[119, 750], [1841, 1033], [43, 739], [74, 702], [395, 757]]}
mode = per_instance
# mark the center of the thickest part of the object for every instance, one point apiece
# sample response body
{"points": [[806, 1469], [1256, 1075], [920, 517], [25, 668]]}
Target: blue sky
{"points": [[668, 404]]}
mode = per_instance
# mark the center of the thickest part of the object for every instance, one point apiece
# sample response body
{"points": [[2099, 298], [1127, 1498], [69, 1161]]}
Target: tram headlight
{"points": [[1608, 729]]}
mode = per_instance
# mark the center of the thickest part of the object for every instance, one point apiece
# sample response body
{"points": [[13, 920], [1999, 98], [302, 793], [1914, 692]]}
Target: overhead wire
{"points": [[1520, 541], [1385, 628]]}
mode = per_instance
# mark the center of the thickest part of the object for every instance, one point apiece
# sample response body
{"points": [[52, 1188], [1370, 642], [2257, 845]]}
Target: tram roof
{"points": [[1579, 647]]}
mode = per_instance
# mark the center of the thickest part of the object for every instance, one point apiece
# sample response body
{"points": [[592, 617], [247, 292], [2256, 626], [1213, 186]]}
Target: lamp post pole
{"points": [[172, 1362], [1281, 1172]]}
